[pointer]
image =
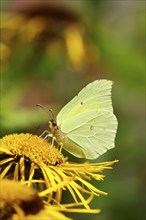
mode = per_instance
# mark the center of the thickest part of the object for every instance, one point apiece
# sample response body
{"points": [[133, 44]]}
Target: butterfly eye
{"points": [[54, 123]]}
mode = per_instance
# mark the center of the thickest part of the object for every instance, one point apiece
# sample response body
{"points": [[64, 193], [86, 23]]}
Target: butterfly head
{"points": [[53, 125], [56, 131]]}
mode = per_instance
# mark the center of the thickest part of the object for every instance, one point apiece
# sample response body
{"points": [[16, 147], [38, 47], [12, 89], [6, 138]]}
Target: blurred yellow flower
{"points": [[42, 29], [18, 202], [75, 45]]}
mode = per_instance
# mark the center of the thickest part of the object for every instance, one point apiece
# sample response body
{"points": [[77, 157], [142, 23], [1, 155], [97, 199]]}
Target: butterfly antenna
{"points": [[51, 111], [47, 111]]}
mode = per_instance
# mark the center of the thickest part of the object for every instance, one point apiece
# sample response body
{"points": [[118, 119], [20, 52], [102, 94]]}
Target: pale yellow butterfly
{"points": [[86, 127]]}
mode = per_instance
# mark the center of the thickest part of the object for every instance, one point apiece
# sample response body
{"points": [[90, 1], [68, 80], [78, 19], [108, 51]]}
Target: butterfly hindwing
{"points": [[96, 135]]}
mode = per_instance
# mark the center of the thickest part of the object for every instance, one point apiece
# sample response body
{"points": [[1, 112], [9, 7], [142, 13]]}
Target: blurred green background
{"points": [[52, 49]]}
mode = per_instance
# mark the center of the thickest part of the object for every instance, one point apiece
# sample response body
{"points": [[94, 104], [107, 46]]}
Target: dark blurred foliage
{"points": [[50, 50]]}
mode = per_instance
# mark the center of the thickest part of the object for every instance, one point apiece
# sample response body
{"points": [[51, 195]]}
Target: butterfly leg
{"points": [[44, 132], [48, 135], [53, 139], [61, 145], [52, 142]]}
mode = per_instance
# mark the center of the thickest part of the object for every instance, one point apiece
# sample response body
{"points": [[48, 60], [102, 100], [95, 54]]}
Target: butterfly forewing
{"points": [[96, 95]]}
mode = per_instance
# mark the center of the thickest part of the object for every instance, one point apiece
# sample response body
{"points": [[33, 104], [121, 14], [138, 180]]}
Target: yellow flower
{"points": [[18, 202], [34, 162]]}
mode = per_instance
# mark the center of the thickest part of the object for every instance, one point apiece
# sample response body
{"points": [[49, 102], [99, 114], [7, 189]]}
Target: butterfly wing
{"points": [[88, 119], [96, 134]]}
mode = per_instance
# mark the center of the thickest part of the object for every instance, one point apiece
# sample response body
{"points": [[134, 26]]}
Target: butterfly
{"points": [[86, 127]]}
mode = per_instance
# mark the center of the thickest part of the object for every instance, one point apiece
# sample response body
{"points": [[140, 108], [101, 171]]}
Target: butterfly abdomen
{"points": [[72, 147]]}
